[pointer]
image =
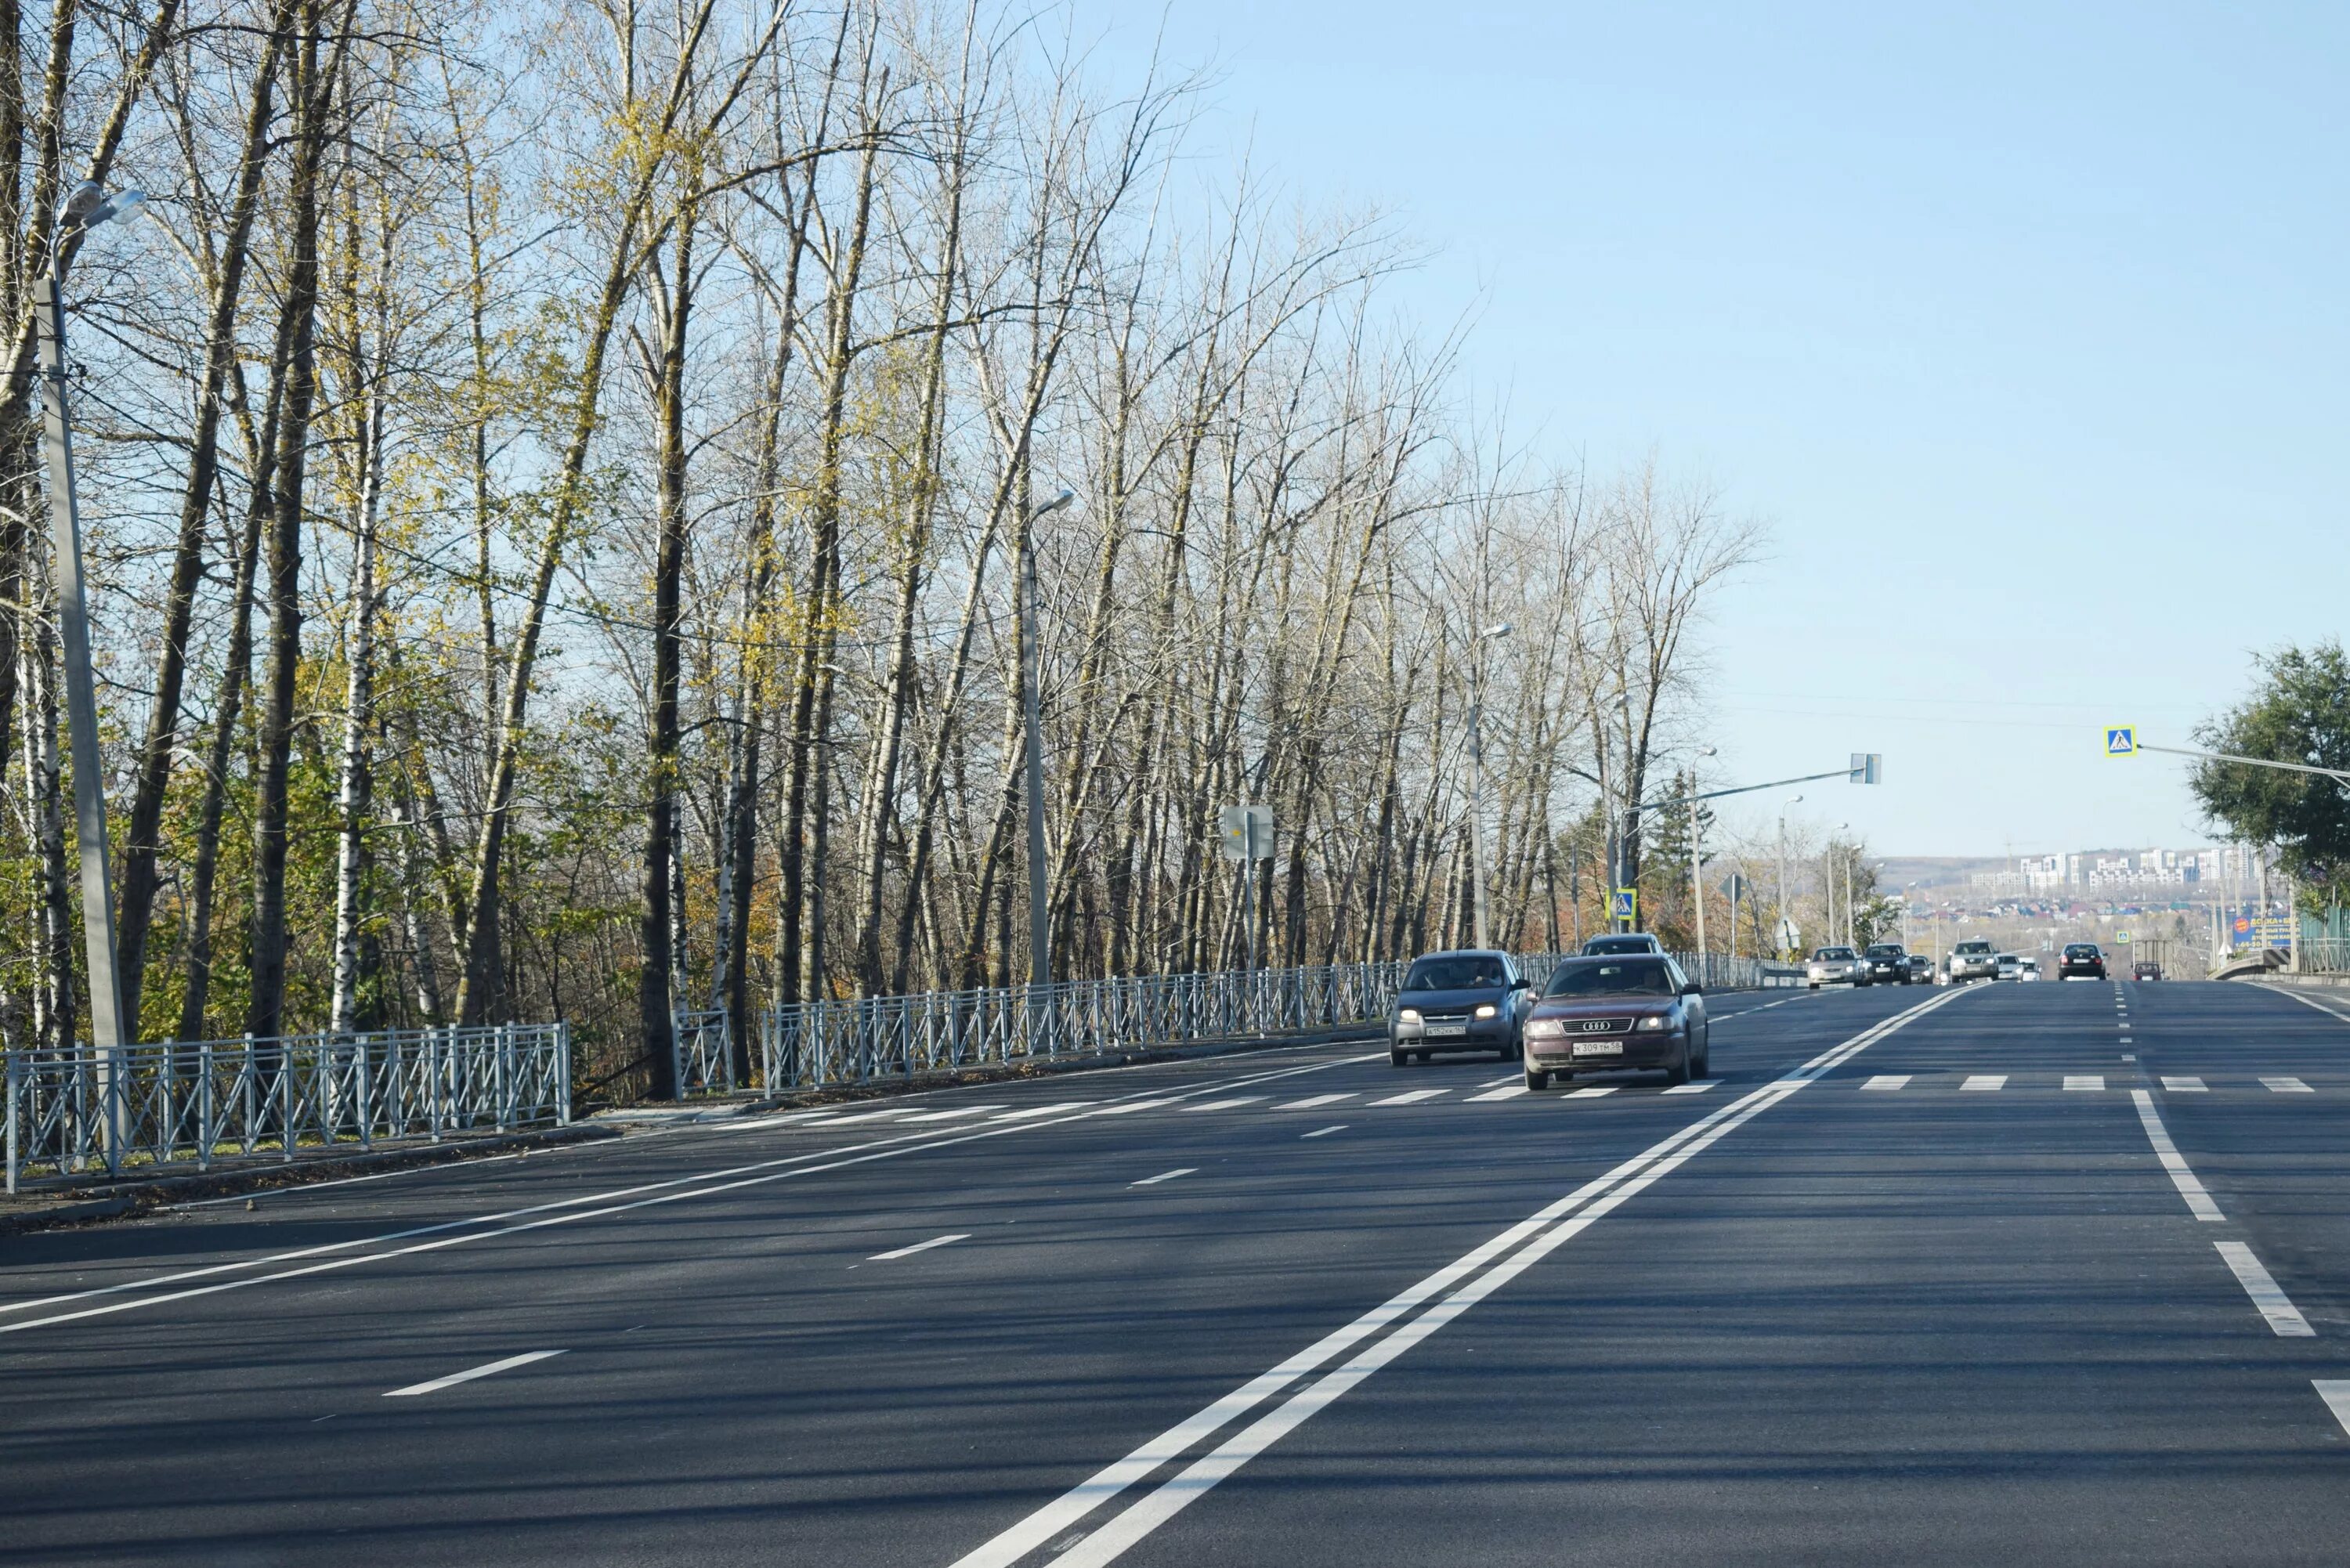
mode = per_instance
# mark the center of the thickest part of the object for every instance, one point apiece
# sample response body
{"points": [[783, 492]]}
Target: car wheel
{"points": [[1814, 985], [1679, 1073], [1425, 1058], [1395, 1058], [1536, 1079], [1705, 1063]]}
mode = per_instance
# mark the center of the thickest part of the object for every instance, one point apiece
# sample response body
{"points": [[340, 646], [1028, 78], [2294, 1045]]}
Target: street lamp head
{"points": [[1706, 750], [1498, 629], [88, 205], [1056, 503]]}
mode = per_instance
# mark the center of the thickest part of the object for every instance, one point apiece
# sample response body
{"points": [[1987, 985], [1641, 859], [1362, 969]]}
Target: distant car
{"points": [[1836, 966], [2031, 969], [1467, 1001], [1921, 970], [1618, 1011], [2146, 969], [2082, 958], [1973, 959], [2006, 966], [1622, 942], [1888, 964]]}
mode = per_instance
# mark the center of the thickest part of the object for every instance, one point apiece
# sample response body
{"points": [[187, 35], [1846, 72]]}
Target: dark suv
{"points": [[1888, 964], [2081, 959], [1471, 1000]]}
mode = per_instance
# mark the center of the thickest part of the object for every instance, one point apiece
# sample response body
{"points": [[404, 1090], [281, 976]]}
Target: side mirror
{"points": [[1692, 989]]}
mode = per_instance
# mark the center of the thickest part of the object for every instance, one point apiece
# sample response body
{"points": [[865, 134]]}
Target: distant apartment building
{"points": [[2117, 873]]}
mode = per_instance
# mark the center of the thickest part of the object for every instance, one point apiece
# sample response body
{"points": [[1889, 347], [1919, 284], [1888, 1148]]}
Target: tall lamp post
{"points": [[85, 209], [1476, 775], [1697, 870], [1040, 925], [1782, 931], [1835, 857]]}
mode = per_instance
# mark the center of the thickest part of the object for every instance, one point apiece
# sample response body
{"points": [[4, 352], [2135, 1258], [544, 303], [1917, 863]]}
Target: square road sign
{"points": [[2121, 740], [1625, 905]]}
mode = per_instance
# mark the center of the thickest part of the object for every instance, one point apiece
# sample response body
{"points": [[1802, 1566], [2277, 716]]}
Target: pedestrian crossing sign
{"points": [[2121, 741], [1625, 903]]}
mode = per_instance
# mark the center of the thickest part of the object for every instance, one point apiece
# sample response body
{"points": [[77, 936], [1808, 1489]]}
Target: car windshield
{"points": [[1973, 947], [1459, 971], [1612, 977], [1885, 950], [1833, 953]]}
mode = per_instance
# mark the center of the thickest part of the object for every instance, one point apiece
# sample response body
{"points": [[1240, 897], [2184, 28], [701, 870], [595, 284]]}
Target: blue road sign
{"points": [[2121, 741], [1625, 903]]}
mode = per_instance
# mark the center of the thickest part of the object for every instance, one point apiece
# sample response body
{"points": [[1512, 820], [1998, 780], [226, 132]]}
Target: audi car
{"points": [[2082, 958], [1604, 1014], [1471, 1000], [1888, 964]]}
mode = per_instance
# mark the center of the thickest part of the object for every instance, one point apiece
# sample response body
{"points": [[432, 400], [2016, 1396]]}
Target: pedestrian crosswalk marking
{"points": [[1510, 1093], [2287, 1086], [2084, 1081], [1592, 1093], [2185, 1086], [1888, 1081], [1310, 1101], [1991, 1081], [1699, 1087], [1410, 1095]]}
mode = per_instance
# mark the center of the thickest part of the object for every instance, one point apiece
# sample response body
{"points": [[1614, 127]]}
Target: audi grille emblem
{"points": [[1600, 1028]]}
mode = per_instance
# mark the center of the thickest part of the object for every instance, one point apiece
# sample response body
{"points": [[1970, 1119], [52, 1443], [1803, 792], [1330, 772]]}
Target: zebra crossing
{"points": [[1512, 1088]]}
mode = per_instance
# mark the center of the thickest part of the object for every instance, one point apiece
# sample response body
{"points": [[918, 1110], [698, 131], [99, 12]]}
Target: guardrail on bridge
{"points": [[181, 1102]]}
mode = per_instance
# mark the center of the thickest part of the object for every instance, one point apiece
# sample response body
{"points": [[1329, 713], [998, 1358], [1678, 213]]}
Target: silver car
{"points": [[1975, 959], [1836, 966]]}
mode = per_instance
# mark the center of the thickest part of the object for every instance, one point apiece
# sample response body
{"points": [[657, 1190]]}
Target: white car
{"points": [[2030, 969], [2007, 966]]}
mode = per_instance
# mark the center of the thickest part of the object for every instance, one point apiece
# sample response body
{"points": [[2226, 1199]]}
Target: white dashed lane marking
{"points": [[2267, 1294], [918, 1247], [1888, 1081], [437, 1384], [1410, 1096], [1310, 1101], [2186, 1086], [1985, 1081], [2084, 1081], [2287, 1086]]}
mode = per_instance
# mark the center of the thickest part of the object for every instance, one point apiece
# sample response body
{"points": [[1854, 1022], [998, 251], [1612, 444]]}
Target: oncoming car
{"points": [[1470, 1000], [1621, 942], [1603, 1014], [1836, 966], [2007, 966], [1888, 964], [1973, 959]]}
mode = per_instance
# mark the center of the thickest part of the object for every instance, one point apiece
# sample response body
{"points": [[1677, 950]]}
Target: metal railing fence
{"points": [[858, 1040], [2324, 955], [80, 1110], [702, 1053]]}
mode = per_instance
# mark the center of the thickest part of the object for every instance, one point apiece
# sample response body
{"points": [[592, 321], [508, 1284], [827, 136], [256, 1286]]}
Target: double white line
{"points": [[1460, 1284]]}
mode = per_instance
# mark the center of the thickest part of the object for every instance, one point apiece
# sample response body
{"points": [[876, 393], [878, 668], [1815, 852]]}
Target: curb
{"points": [[111, 1200]]}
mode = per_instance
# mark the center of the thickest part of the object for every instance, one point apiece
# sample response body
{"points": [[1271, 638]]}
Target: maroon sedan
{"points": [[1606, 1014]]}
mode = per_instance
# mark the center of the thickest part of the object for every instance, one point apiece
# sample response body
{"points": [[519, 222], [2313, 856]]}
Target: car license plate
{"points": [[1447, 1029], [1599, 1047]]}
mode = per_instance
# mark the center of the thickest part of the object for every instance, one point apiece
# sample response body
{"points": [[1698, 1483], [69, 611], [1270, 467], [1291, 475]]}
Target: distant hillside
{"points": [[1934, 870]]}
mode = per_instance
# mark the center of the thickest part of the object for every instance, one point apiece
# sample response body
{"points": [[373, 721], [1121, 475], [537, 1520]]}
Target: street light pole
{"points": [[1697, 870], [1040, 931], [85, 208], [1782, 931], [1477, 777]]}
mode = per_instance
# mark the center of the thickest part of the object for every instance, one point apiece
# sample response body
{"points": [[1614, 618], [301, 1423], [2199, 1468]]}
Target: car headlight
{"points": [[1407, 1015], [1651, 1021], [1485, 1010], [1546, 1029]]}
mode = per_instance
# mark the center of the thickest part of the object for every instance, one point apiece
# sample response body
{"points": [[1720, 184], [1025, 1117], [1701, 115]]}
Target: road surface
{"points": [[2053, 1273]]}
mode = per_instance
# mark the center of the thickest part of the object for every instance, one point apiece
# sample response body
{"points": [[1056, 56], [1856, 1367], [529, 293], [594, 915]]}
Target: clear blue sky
{"points": [[2023, 325]]}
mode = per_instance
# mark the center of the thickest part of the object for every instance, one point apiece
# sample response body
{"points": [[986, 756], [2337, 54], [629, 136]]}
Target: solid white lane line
{"points": [[468, 1374], [2287, 1086], [565, 1211], [2198, 1202], [918, 1247], [1601, 1195], [2336, 1395], [1310, 1101], [1041, 1111], [2186, 1085], [1225, 1105], [1699, 1087], [2094, 1081], [2267, 1294], [1137, 1105], [1591, 1094], [1512, 1093], [1990, 1082], [1324, 1132], [1410, 1096], [1888, 1081], [1164, 1175]]}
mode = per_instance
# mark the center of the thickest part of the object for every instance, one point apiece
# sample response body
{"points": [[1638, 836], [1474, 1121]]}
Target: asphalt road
{"points": [[2048, 1273]]}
